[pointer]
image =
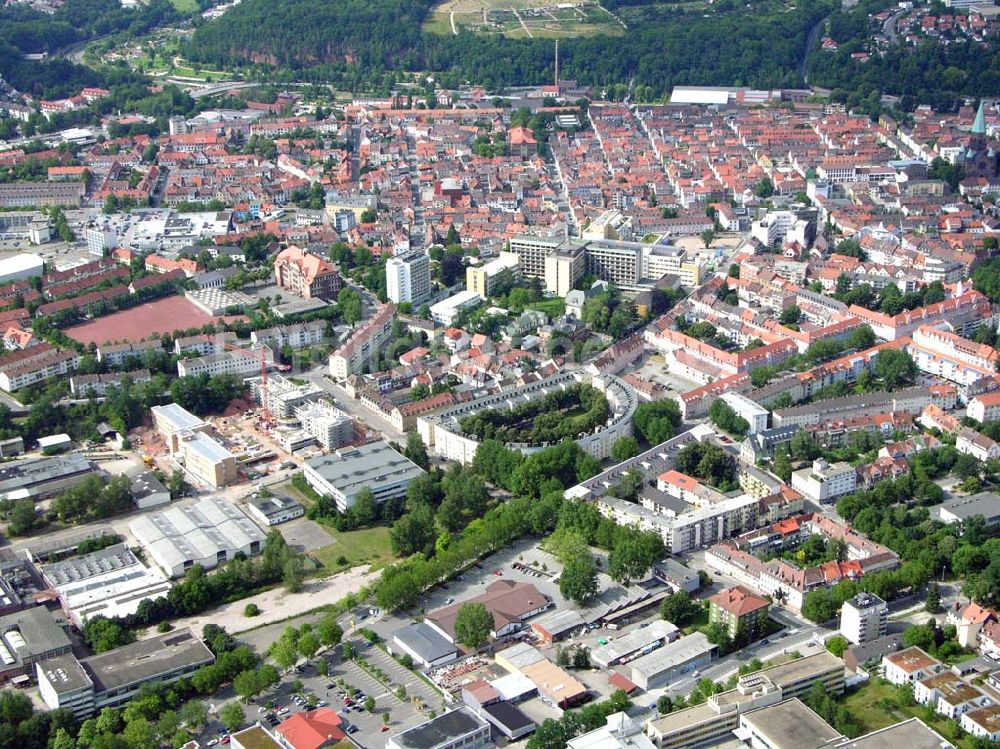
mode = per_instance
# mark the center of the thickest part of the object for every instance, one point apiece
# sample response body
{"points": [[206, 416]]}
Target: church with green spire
{"points": [[981, 157]]}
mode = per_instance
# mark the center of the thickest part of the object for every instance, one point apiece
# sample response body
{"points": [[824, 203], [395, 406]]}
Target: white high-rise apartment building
{"points": [[408, 278]]}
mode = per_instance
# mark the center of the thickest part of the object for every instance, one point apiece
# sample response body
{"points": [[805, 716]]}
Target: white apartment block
{"points": [[984, 407], [228, 362], [823, 482], [754, 414], [661, 260], [330, 426], [408, 278], [295, 336], [363, 344], [864, 618], [909, 666], [482, 279]]}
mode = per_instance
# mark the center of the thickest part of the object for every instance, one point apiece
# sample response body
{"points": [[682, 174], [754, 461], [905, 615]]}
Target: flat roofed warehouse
{"points": [[456, 728], [681, 656], [424, 644], [147, 660], [37, 478], [110, 582], [644, 639]]}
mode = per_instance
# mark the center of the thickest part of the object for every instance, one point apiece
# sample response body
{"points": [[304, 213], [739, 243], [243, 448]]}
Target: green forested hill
{"points": [[359, 43], [930, 73]]}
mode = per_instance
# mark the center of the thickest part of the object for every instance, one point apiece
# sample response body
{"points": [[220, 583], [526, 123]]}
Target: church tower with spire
{"points": [[981, 156]]}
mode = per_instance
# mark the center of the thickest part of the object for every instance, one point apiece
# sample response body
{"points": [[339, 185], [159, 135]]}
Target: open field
{"points": [[136, 324], [523, 18], [185, 6], [551, 307], [349, 548]]}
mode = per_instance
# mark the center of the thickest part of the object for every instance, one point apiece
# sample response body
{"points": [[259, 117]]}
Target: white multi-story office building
{"points": [[408, 278]]}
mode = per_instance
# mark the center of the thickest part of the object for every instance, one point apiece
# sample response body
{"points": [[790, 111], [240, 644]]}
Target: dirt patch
{"points": [[140, 323]]}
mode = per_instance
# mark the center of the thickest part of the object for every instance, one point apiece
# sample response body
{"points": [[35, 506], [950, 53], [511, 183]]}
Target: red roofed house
{"points": [[312, 730], [742, 613], [522, 142], [307, 275]]}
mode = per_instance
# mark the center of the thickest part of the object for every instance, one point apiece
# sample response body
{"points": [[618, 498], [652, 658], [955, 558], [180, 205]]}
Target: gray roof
{"points": [[371, 465], [39, 629], [633, 642], [180, 418], [557, 622], [791, 725], [22, 474], [425, 641], [65, 673], [440, 730], [672, 655], [986, 504], [274, 505], [910, 734], [96, 563], [144, 484], [146, 659], [508, 715], [196, 531]]}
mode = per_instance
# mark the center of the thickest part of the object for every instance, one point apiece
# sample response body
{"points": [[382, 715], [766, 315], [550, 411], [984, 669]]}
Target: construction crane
{"points": [[268, 418]]}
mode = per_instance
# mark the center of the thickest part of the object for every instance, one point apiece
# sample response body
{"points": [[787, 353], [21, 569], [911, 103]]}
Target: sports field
{"points": [[524, 18], [162, 316]]}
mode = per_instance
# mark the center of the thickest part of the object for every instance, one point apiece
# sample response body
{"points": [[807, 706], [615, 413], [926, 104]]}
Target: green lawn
{"points": [[349, 548], [366, 546], [698, 624], [185, 6], [878, 704], [551, 307]]}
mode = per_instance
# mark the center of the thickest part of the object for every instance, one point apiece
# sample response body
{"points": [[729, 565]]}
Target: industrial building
{"points": [[682, 656], [110, 582], [209, 532], [26, 637], [113, 678], [345, 473], [639, 642], [172, 421], [274, 510], [39, 478], [21, 266], [425, 645], [147, 490], [959, 509]]}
